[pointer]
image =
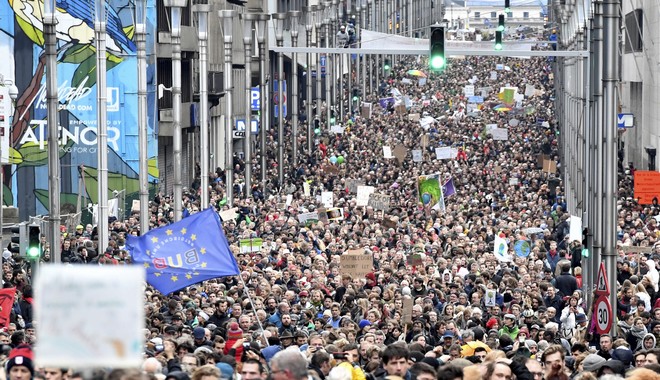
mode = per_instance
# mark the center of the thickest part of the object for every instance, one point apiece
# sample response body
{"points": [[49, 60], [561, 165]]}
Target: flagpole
{"points": [[261, 327]]}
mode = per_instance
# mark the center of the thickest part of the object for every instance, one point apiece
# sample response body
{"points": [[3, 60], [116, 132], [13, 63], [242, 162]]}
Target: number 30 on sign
{"points": [[603, 315]]}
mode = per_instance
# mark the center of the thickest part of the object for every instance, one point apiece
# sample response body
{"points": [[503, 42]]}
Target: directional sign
{"points": [[602, 285], [603, 315], [276, 95], [625, 120], [255, 102], [240, 126], [323, 63]]}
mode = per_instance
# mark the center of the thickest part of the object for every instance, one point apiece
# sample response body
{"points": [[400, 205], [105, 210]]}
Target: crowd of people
{"points": [[462, 311]]}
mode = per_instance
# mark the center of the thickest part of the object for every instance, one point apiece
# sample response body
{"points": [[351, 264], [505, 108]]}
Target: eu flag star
{"points": [[146, 265], [157, 274], [154, 239], [174, 278], [193, 237], [168, 232], [202, 251], [183, 231], [203, 265], [188, 276]]}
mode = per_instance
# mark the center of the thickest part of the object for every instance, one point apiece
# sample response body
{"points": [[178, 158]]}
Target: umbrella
{"points": [[501, 108], [468, 348], [417, 73]]}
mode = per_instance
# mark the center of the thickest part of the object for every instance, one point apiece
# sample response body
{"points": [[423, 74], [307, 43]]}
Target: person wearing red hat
{"points": [[19, 364]]}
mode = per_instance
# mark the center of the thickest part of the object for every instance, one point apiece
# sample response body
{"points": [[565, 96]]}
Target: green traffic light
{"points": [[500, 28], [437, 62], [33, 252], [507, 10], [498, 46], [355, 98], [332, 121], [386, 67]]}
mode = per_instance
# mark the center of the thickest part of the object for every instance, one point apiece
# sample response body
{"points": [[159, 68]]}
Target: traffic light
{"points": [[437, 48], [500, 23], [33, 242], [18, 243], [507, 6], [498, 40], [387, 64]]}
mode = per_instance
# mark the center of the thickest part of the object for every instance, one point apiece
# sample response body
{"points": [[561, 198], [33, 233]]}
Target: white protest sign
{"points": [[306, 189], [387, 152], [308, 216], [417, 155], [230, 214], [493, 75], [468, 90], [406, 81], [426, 122], [363, 193], [338, 129], [490, 127], [445, 153], [575, 230], [513, 181], [500, 134], [327, 199], [490, 299], [90, 316], [289, 199], [530, 90]]}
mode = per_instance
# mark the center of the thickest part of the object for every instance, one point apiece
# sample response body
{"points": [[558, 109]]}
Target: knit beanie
{"points": [[491, 322], [234, 331], [20, 356]]}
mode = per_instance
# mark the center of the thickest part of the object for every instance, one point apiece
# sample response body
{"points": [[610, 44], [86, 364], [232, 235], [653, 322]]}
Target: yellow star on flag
{"points": [[183, 231], [146, 265], [174, 278], [196, 273], [193, 237], [203, 251], [188, 276], [203, 264], [168, 232], [154, 239], [157, 274]]}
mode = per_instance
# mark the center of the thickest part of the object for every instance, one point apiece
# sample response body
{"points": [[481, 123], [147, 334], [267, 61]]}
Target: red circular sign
{"points": [[603, 315]]}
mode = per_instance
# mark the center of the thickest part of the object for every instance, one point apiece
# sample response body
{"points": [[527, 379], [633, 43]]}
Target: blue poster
{"points": [[24, 63]]}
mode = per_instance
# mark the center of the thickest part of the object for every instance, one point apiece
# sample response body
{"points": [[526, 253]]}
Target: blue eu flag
{"points": [[184, 253]]}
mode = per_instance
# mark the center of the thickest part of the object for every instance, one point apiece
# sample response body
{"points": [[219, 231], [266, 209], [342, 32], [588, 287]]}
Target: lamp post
{"points": [[327, 9], [294, 16], [332, 62], [278, 19], [248, 19], [101, 124], [363, 24], [340, 65], [227, 17], [13, 95], [202, 11], [318, 24], [50, 37], [141, 39], [264, 105], [369, 60], [308, 14], [175, 9]]}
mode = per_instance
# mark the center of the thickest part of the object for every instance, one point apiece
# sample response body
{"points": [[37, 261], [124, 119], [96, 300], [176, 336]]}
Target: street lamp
{"points": [[327, 10], [294, 16], [50, 36], [320, 58], [248, 19], [202, 11], [363, 24], [227, 16], [308, 14], [264, 105], [333, 61], [141, 42], [101, 124], [175, 9], [13, 95], [278, 19]]}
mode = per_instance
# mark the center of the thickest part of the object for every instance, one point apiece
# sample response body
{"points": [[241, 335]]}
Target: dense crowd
{"points": [[460, 312]]}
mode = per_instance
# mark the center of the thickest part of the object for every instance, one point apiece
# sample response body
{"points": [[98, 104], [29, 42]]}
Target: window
{"points": [[525, 14], [477, 14], [493, 15], [509, 14], [634, 32]]}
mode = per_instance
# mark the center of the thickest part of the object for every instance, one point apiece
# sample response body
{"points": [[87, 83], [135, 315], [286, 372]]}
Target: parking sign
{"points": [[255, 99]]}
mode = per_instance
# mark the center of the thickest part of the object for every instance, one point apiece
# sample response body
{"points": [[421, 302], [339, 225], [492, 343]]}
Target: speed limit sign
{"points": [[603, 315]]}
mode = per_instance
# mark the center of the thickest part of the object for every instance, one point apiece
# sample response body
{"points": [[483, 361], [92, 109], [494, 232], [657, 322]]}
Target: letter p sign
{"points": [[255, 95]]}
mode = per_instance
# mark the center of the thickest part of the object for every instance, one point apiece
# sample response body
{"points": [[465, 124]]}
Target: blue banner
{"points": [[192, 250]]}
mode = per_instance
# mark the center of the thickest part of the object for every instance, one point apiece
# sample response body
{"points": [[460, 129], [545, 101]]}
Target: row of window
{"points": [[508, 14]]}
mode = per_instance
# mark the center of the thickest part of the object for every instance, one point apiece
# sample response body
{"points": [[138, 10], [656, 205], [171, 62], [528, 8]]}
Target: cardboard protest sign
{"points": [[400, 108], [77, 309], [330, 169], [414, 117], [356, 263], [390, 222], [400, 152], [366, 110], [635, 249], [407, 309], [379, 201], [363, 195], [549, 166]]}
